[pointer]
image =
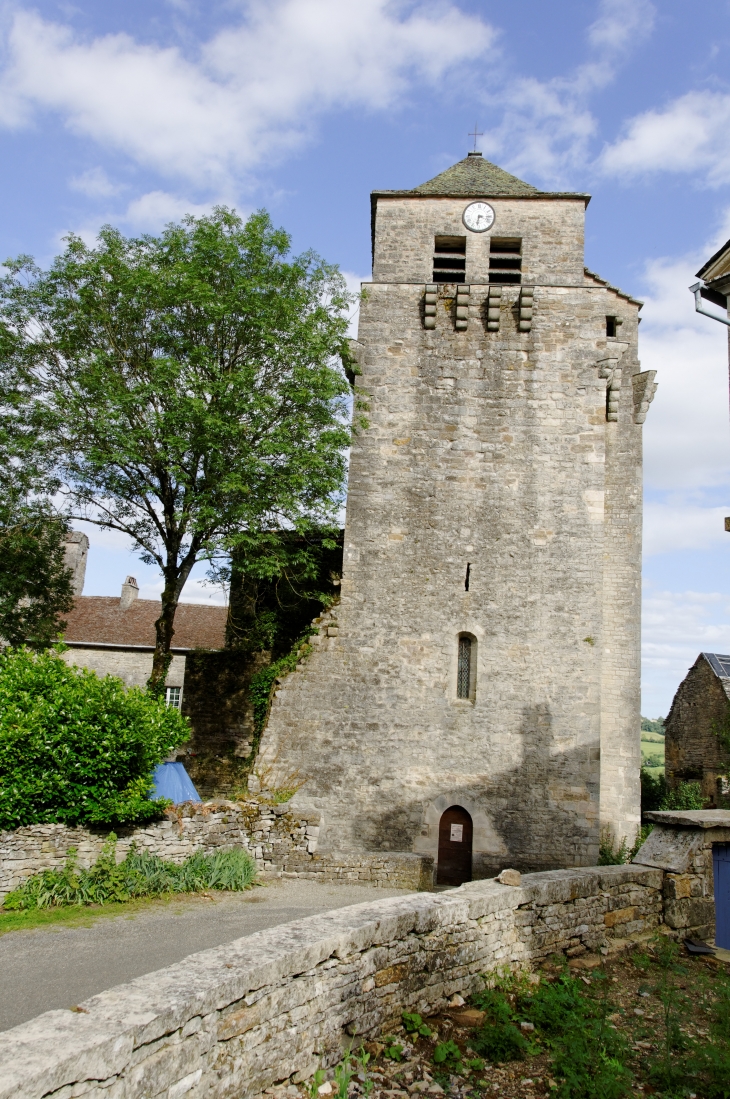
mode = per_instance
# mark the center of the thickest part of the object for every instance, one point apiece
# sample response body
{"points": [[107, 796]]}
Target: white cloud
{"points": [[150, 212], [691, 134], [354, 286], [550, 122], [196, 590], [255, 90], [687, 432], [94, 183], [677, 626], [678, 525]]}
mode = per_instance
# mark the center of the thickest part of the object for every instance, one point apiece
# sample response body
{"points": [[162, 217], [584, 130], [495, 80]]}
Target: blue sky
{"points": [[135, 113]]}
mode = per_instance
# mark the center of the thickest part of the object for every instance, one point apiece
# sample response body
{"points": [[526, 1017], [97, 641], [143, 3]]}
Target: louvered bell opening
{"points": [[505, 261], [449, 259], [463, 679]]}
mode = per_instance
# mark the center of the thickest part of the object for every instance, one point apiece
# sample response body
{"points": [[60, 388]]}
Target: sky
{"points": [[136, 113]]}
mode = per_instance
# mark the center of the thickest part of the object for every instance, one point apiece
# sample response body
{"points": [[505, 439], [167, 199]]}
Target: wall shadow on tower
{"points": [[544, 810]]}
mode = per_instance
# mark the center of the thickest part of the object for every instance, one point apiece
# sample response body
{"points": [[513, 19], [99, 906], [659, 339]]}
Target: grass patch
{"points": [[138, 875], [84, 915]]}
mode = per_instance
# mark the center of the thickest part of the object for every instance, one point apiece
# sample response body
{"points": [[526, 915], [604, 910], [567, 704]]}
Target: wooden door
{"points": [[721, 868], [455, 840]]}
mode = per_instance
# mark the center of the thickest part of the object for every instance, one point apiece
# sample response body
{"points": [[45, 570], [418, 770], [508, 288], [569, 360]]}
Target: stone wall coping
{"points": [[691, 818], [96, 1041]]}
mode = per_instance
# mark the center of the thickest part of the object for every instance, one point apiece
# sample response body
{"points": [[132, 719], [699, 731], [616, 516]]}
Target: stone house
{"points": [[701, 707], [116, 635], [478, 683]]}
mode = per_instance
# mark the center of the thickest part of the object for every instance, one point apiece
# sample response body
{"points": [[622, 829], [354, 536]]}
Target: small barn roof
{"points": [[101, 620], [719, 664]]}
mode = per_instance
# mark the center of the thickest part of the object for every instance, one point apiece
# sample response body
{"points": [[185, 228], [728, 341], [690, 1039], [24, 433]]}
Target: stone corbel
{"points": [[610, 369], [352, 357], [644, 388], [430, 301], [493, 304], [461, 319]]}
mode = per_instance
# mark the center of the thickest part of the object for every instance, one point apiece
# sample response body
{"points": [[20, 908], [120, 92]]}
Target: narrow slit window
{"points": [[449, 259], [463, 678], [505, 260], [611, 327]]}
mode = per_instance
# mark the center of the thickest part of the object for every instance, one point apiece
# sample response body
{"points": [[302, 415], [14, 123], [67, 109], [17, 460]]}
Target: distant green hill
{"points": [[652, 744]]}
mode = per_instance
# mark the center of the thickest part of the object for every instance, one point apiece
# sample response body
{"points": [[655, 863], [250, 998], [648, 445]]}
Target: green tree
{"points": [[186, 386], [75, 748], [35, 585]]}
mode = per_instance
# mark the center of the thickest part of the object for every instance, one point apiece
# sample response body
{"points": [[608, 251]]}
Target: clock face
{"points": [[478, 216]]}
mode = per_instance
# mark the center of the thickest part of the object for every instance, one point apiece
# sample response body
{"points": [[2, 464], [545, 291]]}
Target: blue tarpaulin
{"points": [[172, 781]]}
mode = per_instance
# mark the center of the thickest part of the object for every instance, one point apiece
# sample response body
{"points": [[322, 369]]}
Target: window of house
{"points": [[611, 327], [465, 667], [505, 260], [173, 696], [449, 259]]}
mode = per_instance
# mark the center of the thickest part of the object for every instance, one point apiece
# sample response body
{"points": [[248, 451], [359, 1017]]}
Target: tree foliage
{"points": [[75, 748], [35, 584], [185, 386]]}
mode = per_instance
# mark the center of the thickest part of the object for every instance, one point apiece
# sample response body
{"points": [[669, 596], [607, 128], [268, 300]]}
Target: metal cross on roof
{"points": [[476, 133]]}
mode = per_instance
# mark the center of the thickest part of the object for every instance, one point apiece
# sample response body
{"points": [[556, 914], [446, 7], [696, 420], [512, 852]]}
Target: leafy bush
{"points": [[686, 795], [75, 748], [138, 875]]}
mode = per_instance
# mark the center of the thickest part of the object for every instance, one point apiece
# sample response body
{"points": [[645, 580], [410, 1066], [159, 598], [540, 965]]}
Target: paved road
{"points": [[42, 969]]}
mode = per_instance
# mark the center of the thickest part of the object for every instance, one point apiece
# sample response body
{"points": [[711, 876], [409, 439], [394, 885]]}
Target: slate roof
{"points": [[100, 620], [719, 664], [478, 178]]}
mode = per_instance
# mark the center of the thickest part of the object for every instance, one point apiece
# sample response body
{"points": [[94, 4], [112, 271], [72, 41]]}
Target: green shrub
{"points": [[498, 1038], [686, 795], [588, 1056], [75, 748], [138, 875]]}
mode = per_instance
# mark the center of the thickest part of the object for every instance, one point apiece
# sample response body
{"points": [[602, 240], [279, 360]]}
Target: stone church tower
{"points": [[480, 683]]}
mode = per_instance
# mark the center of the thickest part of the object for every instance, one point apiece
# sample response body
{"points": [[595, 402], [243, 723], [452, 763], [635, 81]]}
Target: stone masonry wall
{"points": [[133, 668], [229, 1022], [694, 751], [489, 450], [281, 842]]}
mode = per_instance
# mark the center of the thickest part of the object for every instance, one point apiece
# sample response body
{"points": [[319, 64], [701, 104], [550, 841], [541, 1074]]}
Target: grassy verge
{"points": [[138, 875], [85, 915]]}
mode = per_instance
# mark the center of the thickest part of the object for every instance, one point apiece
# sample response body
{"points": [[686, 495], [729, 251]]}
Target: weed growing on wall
{"points": [[138, 875], [76, 748], [262, 684]]}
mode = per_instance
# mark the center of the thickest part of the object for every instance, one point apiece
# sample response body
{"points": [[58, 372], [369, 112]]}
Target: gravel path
{"points": [[42, 969]]}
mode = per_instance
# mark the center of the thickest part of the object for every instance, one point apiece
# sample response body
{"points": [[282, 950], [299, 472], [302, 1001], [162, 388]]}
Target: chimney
{"points": [[76, 552], [130, 592]]}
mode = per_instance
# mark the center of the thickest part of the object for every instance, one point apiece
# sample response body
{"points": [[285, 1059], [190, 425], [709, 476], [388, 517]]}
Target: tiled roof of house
{"points": [[101, 620]]}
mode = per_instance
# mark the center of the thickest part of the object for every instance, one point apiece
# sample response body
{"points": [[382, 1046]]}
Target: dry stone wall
{"points": [[281, 842], [229, 1022]]}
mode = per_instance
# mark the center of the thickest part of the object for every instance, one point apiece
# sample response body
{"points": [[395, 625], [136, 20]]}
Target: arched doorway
{"points": [[455, 840]]}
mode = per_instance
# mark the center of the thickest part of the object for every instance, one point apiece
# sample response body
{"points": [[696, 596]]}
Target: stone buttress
{"points": [[485, 653]]}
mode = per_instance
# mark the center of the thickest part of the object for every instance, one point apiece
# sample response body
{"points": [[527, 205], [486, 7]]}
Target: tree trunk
{"points": [[164, 631]]}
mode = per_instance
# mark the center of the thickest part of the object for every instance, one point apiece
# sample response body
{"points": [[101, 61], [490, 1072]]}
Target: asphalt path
{"points": [[46, 968]]}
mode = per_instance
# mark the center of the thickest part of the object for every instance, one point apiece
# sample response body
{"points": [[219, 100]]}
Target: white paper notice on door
{"points": [[457, 833]]}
